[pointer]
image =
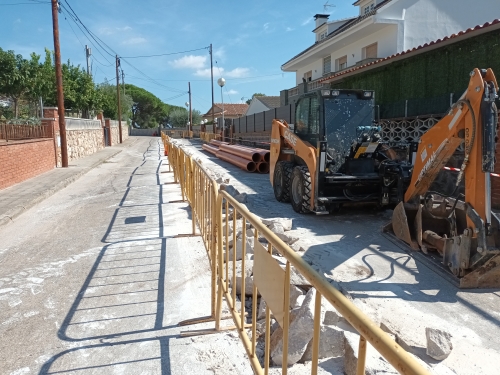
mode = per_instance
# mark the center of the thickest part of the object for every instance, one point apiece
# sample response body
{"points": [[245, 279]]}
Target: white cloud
{"points": [[232, 92], [266, 26], [235, 73], [289, 29], [136, 40], [125, 28], [190, 62], [238, 73], [307, 21], [17, 21]]}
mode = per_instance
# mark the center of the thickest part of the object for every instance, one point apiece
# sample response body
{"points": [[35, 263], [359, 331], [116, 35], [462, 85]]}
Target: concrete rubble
{"points": [[375, 364], [300, 333], [439, 344], [331, 344]]}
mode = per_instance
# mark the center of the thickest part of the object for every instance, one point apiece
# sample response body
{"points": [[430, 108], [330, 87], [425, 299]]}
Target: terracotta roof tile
{"points": [[426, 45], [229, 109]]}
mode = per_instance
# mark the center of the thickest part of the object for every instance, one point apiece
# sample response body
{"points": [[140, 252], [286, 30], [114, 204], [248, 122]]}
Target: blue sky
{"points": [[251, 40]]}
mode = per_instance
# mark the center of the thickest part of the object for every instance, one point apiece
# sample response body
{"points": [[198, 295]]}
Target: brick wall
{"points": [[21, 160]]}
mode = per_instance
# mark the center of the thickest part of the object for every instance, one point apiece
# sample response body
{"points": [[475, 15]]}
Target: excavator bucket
{"points": [[421, 230], [403, 218]]}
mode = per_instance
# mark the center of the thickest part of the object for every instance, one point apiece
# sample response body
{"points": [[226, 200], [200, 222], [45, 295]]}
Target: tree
{"points": [[16, 76], [179, 117], [253, 96], [106, 98]]}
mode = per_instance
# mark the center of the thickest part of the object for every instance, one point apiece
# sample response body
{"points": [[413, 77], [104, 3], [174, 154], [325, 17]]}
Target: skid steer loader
{"points": [[333, 155]]}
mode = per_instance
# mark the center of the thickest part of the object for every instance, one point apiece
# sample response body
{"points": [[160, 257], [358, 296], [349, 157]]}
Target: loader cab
{"points": [[335, 116]]}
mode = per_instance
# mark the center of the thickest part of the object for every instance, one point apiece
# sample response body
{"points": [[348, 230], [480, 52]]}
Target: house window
{"points": [[370, 52], [341, 63], [327, 65], [367, 9], [308, 76]]}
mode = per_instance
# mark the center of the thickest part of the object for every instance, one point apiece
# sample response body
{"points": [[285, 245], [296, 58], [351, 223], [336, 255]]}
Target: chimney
{"points": [[320, 19]]}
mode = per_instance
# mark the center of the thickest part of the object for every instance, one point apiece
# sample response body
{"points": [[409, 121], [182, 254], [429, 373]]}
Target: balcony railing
{"points": [[311, 85]]}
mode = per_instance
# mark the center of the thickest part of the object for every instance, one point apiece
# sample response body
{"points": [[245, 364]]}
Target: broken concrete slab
{"points": [[239, 248], [331, 344], [230, 189], [331, 318], [248, 274], [300, 333], [284, 222], [242, 197], [375, 364], [439, 343]]}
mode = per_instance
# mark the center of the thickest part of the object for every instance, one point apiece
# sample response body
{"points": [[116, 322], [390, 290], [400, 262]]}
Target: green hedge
{"points": [[426, 80]]}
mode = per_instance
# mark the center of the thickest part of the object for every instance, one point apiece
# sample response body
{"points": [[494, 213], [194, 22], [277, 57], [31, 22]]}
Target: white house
{"points": [[262, 104], [382, 28]]}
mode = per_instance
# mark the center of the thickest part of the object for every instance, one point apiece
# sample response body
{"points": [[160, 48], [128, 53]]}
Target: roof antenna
{"points": [[326, 6]]}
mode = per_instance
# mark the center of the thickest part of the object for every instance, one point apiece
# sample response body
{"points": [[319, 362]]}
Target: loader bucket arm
{"points": [[281, 137]]}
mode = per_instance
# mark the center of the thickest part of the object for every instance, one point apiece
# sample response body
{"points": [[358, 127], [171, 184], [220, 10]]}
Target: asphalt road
{"points": [[93, 281], [387, 282]]}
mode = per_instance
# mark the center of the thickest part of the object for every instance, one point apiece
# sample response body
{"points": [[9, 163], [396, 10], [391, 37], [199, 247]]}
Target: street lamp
{"points": [[221, 81], [187, 107]]}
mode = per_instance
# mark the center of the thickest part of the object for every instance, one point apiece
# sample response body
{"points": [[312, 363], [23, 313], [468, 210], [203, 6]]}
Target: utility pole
{"points": [[88, 53], [190, 109], [212, 82], [118, 97], [59, 84]]}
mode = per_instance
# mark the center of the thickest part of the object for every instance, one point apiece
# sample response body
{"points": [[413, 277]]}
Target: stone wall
{"points": [[84, 137], [84, 142], [115, 132]]}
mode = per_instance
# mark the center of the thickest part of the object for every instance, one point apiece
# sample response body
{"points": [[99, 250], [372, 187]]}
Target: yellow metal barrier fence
{"points": [[222, 222], [207, 137], [179, 133]]}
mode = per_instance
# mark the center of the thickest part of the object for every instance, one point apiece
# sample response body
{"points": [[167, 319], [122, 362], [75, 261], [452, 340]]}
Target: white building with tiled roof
{"points": [[262, 103], [383, 28]]}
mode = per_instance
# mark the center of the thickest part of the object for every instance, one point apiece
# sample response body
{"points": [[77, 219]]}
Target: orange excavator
{"points": [[333, 155]]}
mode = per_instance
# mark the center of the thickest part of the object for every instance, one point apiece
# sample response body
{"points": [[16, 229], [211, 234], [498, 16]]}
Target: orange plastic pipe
{"points": [[244, 164], [247, 154]]}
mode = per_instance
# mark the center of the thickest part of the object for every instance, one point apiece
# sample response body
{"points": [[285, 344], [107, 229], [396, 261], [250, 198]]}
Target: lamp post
{"points": [[221, 81], [187, 107]]}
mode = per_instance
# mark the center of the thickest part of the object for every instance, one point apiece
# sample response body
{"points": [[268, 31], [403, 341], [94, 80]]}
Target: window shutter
{"points": [[371, 51]]}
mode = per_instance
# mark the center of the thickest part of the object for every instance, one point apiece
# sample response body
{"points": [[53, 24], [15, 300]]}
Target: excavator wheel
{"points": [[282, 175], [300, 190]]}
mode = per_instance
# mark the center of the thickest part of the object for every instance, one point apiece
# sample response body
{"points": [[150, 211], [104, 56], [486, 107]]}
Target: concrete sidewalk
{"points": [[16, 199]]}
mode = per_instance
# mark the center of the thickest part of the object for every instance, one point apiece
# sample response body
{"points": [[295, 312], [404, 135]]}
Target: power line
{"points": [[31, 3], [164, 54], [74, 18]]}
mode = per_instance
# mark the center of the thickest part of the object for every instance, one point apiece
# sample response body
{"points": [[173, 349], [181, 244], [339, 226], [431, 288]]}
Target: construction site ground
{"points": [[396, 288]]}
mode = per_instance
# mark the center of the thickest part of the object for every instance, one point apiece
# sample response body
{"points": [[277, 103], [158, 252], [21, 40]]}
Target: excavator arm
{"points": [[468, 234], [284, 144], [467, 122]]}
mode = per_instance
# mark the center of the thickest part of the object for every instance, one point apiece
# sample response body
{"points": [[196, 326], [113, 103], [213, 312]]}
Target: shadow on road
{"points": [[123, 293]]}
